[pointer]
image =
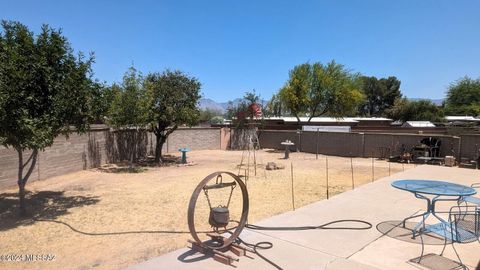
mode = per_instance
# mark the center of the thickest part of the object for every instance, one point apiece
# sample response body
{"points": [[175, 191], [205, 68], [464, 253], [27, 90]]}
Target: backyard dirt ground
{"points": [[109, 220]]}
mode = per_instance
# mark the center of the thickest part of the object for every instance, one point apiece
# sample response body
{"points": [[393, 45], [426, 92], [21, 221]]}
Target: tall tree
{"points": [[317, 89], [274, 107], [463, 97], [419, 110], [129, 107], [44, 91], [103, 97], [379, 94], [208, 114], [247, 109], [173, 102]]}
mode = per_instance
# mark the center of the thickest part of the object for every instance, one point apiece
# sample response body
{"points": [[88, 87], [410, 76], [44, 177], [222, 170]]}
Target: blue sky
{"points": [[236, 46]]}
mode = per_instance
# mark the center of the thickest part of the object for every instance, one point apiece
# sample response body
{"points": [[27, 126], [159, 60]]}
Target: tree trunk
{"points": [[22, 180], [21, 184], [158, 148]]}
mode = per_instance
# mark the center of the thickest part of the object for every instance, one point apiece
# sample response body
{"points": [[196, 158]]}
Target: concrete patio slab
{"points": [[341, 249]]}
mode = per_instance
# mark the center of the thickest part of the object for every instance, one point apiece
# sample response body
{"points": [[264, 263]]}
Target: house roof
{"points": [[329, 119], [419, 124], [462, 118], [314, 119]]}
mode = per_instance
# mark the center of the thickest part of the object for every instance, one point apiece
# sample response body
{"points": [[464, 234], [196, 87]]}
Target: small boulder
{"points": [[274, 166]]}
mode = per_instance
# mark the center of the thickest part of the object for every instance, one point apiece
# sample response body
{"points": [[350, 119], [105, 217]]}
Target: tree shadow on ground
{"points": [[273, 151], [139, 166], [40, 205]]}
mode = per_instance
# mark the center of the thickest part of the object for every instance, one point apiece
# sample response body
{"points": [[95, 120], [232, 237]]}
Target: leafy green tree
{"points": [[217, 120], [419, 110], [463, 97], [45, 90], [207, 114], [380, 94], [240, 113], [274, 107], [129, 107], [317, 89], [103, 97], [173, 102]]}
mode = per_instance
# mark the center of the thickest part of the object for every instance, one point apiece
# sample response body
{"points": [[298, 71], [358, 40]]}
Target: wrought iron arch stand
{"points": [[226, 243]]}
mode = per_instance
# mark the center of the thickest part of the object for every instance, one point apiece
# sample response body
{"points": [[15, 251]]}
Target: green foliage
{"points": [[44, 88], [420, 110], [102, 99], [207, 114], [217, 120], [463, 97], [316, 89], [240, 113], [173, 99], [129, 101], [275, 107], [380, 95], [44, 91]]}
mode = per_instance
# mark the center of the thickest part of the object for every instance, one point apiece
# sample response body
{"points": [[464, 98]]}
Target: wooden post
{"points": [[318, 134], [293, 194], [351, 168], [326, 171]]}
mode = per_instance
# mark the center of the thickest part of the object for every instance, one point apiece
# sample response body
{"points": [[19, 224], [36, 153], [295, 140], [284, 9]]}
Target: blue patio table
{"points": [[432, 191]]}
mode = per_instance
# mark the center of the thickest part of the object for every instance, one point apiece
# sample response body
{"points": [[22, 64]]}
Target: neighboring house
{"points": [[418, 124], [462, 119]]}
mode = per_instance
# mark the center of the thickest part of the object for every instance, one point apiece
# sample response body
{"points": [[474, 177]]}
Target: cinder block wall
{"points": [[469, 145], [99, 146], [194, 138], [273, 138], [337, 144], [360, 144], [77, 152]]}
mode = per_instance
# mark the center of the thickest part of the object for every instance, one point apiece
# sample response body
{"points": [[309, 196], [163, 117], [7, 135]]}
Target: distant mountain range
{"points": [[207, 103]]}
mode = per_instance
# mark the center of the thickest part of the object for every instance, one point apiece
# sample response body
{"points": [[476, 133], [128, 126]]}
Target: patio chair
{"points": [[471, 199], [463, 226]]}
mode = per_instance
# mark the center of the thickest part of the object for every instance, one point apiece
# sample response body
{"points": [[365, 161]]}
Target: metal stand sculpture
{"points": [[251, 145], [219, 218]]}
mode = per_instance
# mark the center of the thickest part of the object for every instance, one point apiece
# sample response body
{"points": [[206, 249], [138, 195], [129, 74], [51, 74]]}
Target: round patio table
{"points": [[437, 190]]}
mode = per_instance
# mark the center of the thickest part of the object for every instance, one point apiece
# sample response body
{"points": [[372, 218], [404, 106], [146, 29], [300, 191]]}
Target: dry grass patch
{"points": [[106, 220]]}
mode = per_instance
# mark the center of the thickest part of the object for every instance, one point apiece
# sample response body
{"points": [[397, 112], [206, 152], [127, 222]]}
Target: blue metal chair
{"points": [[471, 199], [463, 226]]}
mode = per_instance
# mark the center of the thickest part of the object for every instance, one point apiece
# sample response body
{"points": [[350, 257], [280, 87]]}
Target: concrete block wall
{"points": [[64, 156], [374, 141], [194, 138], [470, 144], [97, 147], [359, 144], [273, 138], [338, 144]]}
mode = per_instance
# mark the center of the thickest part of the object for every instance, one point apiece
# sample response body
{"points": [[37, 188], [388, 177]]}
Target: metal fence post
{"points": [[326, 171], [293, 193]]}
